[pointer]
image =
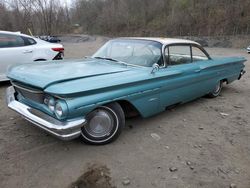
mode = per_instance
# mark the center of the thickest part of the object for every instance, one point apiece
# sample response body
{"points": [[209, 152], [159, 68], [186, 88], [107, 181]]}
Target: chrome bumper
{"points": [[67, 130], [241, 74]]}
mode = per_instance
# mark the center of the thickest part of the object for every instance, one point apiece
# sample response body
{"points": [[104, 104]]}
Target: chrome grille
{"points": [[29, 92]]}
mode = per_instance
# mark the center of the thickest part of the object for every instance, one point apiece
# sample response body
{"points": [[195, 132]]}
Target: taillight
{"points": [[58, 49]]}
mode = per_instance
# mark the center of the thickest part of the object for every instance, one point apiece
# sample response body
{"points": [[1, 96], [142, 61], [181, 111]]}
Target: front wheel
{"points": [[216, 91], [105, 124]]}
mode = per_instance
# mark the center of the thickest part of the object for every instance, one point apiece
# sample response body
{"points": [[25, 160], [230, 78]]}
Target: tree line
{"points": [[128, 17]]}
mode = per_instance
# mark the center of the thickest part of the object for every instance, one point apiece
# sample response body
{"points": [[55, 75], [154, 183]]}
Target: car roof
{"points": [[24, 35], [15, 33], [164, 41]]}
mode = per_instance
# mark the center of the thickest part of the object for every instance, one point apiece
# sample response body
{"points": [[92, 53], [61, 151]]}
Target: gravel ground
{"points": [[204, 143]]}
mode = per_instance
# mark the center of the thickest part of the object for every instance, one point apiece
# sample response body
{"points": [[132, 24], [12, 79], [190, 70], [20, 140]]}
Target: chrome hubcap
{"points": [[100, 123], [217, 88]]}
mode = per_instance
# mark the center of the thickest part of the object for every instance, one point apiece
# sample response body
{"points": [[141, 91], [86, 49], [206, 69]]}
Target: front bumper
{"points": [[67, 130], [241, 74]]}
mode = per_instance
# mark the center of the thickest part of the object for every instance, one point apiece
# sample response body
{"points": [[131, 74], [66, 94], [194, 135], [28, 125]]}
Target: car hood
{"points": [[45, 74]]}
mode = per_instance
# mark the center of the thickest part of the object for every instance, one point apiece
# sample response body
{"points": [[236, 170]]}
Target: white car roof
{"points": [[36, 39], [15, 33], [164, 41]]}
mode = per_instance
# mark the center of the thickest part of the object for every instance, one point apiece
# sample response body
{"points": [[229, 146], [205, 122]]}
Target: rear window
{"points": [[8, 41], [28, 41]]}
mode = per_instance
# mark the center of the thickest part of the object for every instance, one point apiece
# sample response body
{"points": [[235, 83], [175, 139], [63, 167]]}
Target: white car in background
{"points": [[17, 48], [248, 49]]}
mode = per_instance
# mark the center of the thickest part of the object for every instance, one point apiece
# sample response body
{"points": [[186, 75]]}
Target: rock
{"points": [[191, 167], [188, 163], [155, 136], [11, 118], [200, 146], [126, 181], [232, 185], [184, 120], [224, 114], [210, 139], [166, 147], [173, 169], [201, 128], [236, 106]]}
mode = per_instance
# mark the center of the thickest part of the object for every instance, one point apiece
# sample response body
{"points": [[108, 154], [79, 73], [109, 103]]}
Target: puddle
{"points": [[96, 176]]}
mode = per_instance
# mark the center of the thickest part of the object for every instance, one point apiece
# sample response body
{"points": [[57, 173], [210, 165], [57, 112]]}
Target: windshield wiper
{"points": [[111, 59], [117, 61], [107, 58]]}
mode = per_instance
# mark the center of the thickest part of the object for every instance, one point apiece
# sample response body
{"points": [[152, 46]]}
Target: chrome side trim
{"points": [[67, 130]]}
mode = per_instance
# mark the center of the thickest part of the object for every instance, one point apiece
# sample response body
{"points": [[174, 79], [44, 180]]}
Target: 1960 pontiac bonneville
{"points": [[127, 76]]}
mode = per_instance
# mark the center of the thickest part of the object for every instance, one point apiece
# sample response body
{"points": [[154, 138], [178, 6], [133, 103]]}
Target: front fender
{"points": [[144, 98]]}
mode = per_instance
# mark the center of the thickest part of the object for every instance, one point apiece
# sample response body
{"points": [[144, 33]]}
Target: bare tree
{"points": [[128, 17]]}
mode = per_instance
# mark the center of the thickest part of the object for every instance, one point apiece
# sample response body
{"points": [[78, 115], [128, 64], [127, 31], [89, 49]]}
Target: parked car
{"points": [[17, 48], [248, 49], [52, 39], [127, 76]]}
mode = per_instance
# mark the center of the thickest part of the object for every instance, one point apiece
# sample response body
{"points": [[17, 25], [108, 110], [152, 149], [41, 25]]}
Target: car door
{"points": [[180, 78], [208, 74], [13, 50]]}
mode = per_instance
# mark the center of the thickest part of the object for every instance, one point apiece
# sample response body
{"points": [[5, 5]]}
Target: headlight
{"points": [[51, 104], [57, 106], [61, 109], [58, 110]]}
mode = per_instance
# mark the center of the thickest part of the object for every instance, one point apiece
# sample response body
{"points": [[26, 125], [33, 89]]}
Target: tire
{"points": [[216, 91], [105, 124]]}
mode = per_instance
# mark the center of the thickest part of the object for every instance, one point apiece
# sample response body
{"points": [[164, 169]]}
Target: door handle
{"points": [[27, 51]]}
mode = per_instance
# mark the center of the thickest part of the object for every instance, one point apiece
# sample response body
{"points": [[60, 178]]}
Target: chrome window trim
{"points": [[184, 44], [140, 39]]}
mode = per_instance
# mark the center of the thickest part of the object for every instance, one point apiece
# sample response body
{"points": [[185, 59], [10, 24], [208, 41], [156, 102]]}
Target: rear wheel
{"points": [[216, 91], [104, 125]]}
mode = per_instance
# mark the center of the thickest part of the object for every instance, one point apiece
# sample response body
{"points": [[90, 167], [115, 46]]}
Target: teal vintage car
{"points": [[127, 76]]}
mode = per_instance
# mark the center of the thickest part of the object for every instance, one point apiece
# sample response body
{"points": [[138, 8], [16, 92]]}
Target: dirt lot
{"points": [[205, 143]]}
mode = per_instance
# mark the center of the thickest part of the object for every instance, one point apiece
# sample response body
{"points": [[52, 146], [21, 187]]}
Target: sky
{"points": [[66, 2]]}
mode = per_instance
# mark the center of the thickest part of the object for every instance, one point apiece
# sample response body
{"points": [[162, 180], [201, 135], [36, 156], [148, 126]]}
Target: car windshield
{"points": [[131, 51]]}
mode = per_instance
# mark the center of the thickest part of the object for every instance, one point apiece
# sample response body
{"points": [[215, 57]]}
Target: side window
{"points": [[179, 54], [198, 54], [8, 41], [28, 41]]}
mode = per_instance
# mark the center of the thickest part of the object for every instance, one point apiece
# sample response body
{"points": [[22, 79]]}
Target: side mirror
{"points": [[155, 68]]}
